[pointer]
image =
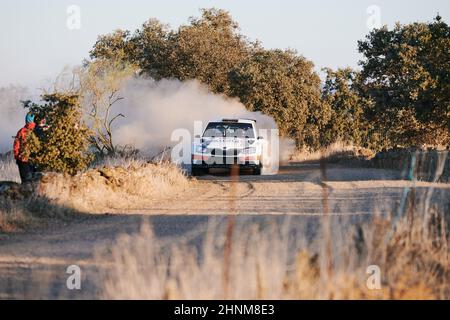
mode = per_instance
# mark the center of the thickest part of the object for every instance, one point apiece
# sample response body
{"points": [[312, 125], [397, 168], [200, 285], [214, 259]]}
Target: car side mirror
{"points": [[260, 138], [197, 136]]}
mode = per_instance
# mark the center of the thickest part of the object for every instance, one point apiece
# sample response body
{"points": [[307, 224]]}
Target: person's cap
{"points": [[29, 117]]}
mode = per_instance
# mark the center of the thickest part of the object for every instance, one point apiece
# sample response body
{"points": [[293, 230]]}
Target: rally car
{"points": [[227, 143]]}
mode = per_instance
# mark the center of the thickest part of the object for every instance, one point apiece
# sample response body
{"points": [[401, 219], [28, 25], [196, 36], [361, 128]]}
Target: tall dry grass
{"points": [[13, 216], [125, 186], [272, 264], [8, 169], [337, 149], [115, 184]]}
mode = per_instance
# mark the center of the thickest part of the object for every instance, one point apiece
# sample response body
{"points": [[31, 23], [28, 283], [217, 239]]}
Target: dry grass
{"points": [[128, 186], [413, 263], [13, 216], [412, 252], [335, 150], [117, 184], [22, 209], [8, 170]]}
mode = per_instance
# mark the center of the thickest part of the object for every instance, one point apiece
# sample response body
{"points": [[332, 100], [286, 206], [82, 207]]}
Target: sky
{"points": [[40, 38]]}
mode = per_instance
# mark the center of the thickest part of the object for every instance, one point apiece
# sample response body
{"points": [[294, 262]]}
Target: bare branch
{"points": [[114, 118]]}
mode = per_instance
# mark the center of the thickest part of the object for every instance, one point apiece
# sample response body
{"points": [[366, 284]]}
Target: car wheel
{"points": [[257, 171], [198, 171]]}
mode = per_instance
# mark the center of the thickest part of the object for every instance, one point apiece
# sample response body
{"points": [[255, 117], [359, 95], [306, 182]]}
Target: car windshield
{"points": [[229, 130]]}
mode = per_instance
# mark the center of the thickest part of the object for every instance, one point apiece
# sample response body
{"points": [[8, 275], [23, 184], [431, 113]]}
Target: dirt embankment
{"points": [[99, 190]]}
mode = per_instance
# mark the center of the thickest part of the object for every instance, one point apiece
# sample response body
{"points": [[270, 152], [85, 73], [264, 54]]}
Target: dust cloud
{"points": [[12, 114], [154, 109]]}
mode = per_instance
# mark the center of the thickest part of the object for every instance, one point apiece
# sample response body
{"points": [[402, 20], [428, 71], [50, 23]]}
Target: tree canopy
{"points": [[211, 49], [399, 97], [284, 85], [405, 72]]}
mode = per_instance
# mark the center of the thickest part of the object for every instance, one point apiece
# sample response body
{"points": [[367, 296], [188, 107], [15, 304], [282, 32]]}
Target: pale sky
{"points": [[36, 43]]}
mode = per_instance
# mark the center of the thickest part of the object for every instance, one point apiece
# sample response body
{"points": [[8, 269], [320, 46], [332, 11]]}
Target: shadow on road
{"points": [[309, 172]]}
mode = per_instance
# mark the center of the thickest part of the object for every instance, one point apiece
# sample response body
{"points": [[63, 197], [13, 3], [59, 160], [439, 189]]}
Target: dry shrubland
{"points": [[13, 216], [413, 261], [337, 150], [115, 188], [112, 185], [8, 169], [263, 262]]}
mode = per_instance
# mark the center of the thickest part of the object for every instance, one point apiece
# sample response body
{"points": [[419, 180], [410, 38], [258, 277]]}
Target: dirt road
{"points": [[33, 265]]}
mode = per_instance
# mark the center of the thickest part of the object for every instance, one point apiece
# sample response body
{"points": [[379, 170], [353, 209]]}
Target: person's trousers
{"points": [[25, 170]]}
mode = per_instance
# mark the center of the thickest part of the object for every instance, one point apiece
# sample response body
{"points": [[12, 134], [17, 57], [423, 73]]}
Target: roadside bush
{"points": [[63, 147]]}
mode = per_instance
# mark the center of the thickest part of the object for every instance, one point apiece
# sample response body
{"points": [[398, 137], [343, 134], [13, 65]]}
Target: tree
{"points": [[155, 50], [101, 82], [210, 49], [206, 49], [117, 45], [283, 85], [405, 73], [64, 146], [348, 123]]}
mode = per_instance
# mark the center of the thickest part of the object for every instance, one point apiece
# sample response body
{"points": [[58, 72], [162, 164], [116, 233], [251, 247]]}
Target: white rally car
{"points": [[226, 143]]}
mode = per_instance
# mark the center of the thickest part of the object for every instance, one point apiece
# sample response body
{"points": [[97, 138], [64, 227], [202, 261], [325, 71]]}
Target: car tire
{"points": [[257, 171], [198, 171]]}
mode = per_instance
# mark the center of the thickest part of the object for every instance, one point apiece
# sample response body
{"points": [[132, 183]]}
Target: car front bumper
{"points": [[208, 161]]}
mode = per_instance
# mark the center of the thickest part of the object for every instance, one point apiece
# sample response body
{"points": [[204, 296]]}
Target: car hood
{"points": [[227, 143]]}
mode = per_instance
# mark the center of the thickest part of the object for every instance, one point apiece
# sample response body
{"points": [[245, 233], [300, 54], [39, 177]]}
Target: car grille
{"points": [[225, 157], [224, 153]]}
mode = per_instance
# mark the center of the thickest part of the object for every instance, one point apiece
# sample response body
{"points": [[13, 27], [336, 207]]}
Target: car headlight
{"points": [[199, 149]]}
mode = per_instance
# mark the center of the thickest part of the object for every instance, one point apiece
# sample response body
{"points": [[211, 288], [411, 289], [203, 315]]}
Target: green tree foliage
{"points": [[115, 46], [206, 49], [406, 73], [347, 123], [155, 50], [283, 84], [64, 145]]}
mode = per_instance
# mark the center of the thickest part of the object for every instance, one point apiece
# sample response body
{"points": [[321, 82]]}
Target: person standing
{"points": [[22, 150]]}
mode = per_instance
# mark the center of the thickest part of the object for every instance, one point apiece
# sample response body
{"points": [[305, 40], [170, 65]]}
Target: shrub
{"points": [[64, 145]]}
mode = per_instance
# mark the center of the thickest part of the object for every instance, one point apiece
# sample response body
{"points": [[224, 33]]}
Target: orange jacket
{"points": [[20, 142]]}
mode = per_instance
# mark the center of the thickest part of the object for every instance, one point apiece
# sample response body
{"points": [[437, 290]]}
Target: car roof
{"points": [[239, 120]]}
